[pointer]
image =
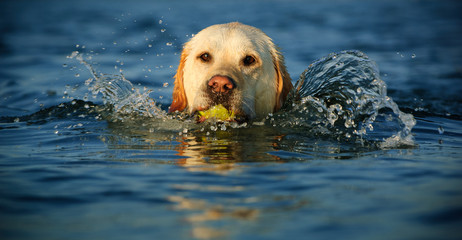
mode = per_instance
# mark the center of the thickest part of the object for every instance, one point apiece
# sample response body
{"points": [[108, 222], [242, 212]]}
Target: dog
{"points": [[235, 65]]}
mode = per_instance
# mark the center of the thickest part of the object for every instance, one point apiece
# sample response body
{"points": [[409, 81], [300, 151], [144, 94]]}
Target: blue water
{"points": [[71, 169]]}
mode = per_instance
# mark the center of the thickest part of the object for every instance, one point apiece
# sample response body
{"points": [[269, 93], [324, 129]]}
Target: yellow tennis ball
{"points": [[217, 112]]}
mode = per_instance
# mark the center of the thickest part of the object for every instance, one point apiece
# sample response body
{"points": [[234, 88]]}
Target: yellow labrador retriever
{"points": [[235, 65]]}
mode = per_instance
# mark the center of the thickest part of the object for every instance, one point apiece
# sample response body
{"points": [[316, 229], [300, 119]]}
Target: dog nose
{"points": [[221, 84]]}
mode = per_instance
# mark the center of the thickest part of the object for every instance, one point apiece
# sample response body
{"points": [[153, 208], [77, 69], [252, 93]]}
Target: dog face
{"points": [[231, 64]]}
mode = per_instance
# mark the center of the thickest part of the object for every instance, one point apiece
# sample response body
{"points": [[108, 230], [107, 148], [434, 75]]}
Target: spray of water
{"points": [[120, 94], [340, 96]]}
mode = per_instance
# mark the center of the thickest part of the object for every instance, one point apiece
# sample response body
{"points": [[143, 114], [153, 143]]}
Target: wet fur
{"points": [[260, 90]]}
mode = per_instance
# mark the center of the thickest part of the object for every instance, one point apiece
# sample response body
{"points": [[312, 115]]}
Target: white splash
{"points": [[120, 94]]}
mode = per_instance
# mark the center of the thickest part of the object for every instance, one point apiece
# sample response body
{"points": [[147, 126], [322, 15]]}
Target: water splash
{"points": [[339, 96], [119, 94], [342, 95]]}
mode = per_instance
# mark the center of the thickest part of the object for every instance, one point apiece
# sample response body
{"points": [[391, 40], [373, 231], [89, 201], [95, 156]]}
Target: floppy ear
{"points": [[179, 102], [283, 81]]}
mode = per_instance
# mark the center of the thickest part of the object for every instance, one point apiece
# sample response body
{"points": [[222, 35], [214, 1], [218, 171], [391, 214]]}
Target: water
{"points": [[85, 159]]}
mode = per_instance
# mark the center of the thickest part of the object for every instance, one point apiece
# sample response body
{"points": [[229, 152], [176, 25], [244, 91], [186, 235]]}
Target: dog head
{"points": [[234, 65]]}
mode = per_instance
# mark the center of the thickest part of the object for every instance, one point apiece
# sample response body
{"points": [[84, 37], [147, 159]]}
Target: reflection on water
{"points": [[209, 204], [224, 148], [200, 212]]}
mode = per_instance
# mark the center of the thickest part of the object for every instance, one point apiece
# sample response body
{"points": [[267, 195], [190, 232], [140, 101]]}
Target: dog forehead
{"points": [[233, 36]]}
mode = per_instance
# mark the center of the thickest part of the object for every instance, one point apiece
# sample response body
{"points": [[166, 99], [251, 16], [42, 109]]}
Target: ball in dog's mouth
{"points": [[216, 113]]}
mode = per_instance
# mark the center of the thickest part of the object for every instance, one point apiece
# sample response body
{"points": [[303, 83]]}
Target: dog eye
{"points": [[248, 60], [205, 57]]}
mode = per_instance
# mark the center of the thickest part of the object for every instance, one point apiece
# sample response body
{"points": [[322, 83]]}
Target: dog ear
{"points": [[283, 81], [179, 102]]}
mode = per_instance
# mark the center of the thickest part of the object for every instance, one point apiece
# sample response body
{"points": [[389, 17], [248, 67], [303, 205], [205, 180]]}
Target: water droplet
{"points": [[150, 45], [413, 55], [163, 30], [440, 130], [64, 65], [165, 84], [169, 44], [160, 21], [73, 54], [77, 75]]}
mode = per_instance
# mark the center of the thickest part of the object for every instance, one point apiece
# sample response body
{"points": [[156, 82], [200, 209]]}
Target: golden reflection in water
{"points": [[200, 212], [220, 153]]}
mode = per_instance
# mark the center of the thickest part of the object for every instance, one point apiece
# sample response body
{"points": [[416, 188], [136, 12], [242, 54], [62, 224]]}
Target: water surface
{"points": [[70, 170]]}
